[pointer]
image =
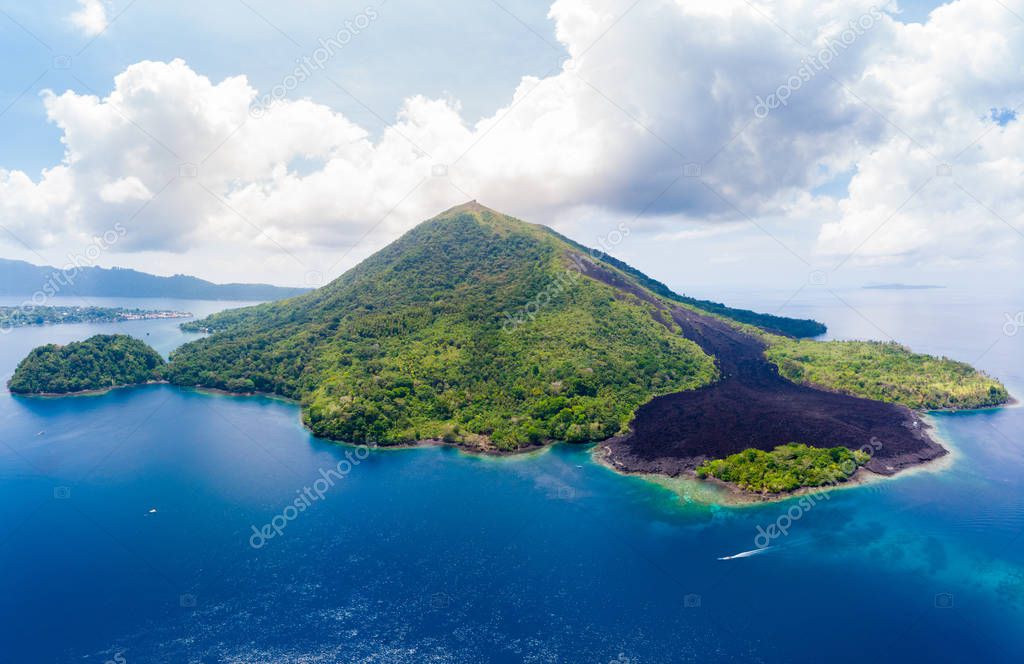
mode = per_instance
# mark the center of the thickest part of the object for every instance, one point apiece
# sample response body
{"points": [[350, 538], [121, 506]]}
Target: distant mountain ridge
{"points": [[25, 279]]}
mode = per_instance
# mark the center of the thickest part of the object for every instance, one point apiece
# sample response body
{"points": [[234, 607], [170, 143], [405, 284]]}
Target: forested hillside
{"points": [[99, 362], [474, 327]]}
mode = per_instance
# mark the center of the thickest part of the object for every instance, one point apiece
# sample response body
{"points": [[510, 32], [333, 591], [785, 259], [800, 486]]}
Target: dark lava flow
{"points": [[753, 406]]}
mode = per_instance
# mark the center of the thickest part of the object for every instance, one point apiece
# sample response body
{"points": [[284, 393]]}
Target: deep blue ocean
{"points": [[127, 523]]}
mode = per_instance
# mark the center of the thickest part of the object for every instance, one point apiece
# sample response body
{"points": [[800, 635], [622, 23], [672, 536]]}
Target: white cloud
{"points": [[91, 17], [648, 90], [124, 190], [944, 184]]}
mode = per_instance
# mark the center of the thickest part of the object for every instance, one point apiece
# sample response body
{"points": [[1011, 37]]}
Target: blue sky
{"points": [[472, 51], [582, 114]]}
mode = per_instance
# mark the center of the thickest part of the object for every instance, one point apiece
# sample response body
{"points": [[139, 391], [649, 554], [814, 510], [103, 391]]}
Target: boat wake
{"points": [[746, 554]]}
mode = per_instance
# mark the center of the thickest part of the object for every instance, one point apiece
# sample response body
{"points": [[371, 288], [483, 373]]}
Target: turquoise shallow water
{"points": [[429, 555]]}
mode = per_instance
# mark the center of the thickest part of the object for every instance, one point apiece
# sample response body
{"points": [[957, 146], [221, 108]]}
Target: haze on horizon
{"points": [[706, 142]]}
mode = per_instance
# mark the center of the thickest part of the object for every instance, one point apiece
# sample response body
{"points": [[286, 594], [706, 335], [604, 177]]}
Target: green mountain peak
{"points": [[469, 207], [474, 327], [485, 216]]}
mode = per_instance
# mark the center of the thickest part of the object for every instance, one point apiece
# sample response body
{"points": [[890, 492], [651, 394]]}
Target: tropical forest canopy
{"points": [[785, 468], [99, 362], [886, 371]]}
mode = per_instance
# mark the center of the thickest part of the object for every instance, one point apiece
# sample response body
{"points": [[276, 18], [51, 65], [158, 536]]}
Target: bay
{"points": [[126, 530]]}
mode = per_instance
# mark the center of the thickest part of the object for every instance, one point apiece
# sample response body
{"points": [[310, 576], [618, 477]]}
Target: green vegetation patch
{"points": [[99, 362], [786, 468], [885, 371]]}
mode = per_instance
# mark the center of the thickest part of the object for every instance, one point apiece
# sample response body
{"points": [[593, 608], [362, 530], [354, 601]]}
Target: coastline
{"points": [[1011, 402], [712, 491], [684, 483], [939, 463], [217, 392], [477, 450], [95, 392]]}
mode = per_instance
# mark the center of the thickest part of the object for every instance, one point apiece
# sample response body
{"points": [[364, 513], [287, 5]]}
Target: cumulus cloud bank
{"points": [[656, 112]]}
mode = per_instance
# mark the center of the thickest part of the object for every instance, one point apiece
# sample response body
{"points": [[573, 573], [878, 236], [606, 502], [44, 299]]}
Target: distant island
{"points": [[101, 362], [25, 279], [902, 286], [11, 317], [488, 333]]}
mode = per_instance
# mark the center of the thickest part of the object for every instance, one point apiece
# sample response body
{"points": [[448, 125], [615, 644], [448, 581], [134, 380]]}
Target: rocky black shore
{"points": [[752, 406]]}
